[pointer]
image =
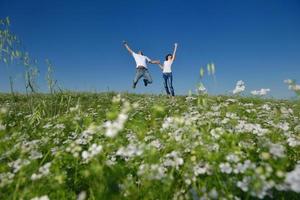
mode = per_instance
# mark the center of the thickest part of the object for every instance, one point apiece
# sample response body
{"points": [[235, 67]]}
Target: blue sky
{"points": [[256, 41]]}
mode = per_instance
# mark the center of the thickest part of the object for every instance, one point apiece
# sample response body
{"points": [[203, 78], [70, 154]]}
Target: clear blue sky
{"points": [[257, 41]]}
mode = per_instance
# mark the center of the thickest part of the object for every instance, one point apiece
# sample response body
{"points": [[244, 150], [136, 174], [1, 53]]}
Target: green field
{"points": [[128, 146]]}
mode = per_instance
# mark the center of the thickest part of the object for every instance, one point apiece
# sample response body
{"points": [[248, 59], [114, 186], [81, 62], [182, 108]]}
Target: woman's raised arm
{"points": [[174, 52]]}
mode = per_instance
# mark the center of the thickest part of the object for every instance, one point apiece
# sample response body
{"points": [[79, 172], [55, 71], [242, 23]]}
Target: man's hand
{"points": [[127, 47], [175, 44], [154, 61]]}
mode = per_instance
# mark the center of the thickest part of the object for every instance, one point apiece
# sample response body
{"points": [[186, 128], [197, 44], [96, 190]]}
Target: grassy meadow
{"points": [[129, 146]]}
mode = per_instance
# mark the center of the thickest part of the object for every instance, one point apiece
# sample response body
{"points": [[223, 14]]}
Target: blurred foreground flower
{"points": [[93, 151], [45, 197], [113, 127], [293, 179], [43, 171]]}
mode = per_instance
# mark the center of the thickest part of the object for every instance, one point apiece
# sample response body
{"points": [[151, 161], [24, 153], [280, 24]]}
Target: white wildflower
{"points": [[73, 109], [225, 168], [217, 132], [201, 89], [232, 158], [3, 110], [231, 100], [82, 195], [173, 160], [293, 142], [130, 151], [152, 172], [47, 126], [294, 87], [213, 194], [43, 171], [113, 127], [260, 92], [288, 81], [201, 168], [18, 164], [74, 149], [2, 127], [6, 178], [59, 126], [111, 160], [266, 107], [167, 123], [117, 98], [188, 181], [240, 87], [45, 197], [242, 167], [293, 179], [156, 143], [283, 125], [244, 184], [250, 128], [92, 152], [225, 120], [277, 150], [35, 155]]}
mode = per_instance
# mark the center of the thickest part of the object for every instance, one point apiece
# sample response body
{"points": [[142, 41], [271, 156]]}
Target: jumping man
{"points": [[141, 66]]}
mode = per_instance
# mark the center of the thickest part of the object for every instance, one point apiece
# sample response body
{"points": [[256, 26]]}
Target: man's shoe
{"points": [[145, 82]]}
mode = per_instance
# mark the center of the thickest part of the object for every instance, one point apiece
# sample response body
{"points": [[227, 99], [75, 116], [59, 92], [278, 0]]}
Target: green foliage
{"points": [[180, 148], [12, 52], [9, 43]]}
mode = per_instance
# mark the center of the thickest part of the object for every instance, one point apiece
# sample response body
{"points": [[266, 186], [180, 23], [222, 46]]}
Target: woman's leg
{"points": [[171, 84], [166, 83]]}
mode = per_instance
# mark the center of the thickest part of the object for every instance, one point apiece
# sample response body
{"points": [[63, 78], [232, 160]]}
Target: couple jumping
{"points": [[142, 69]]}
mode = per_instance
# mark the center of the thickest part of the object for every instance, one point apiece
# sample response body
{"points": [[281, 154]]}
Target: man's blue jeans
{"points": [[168, 82], [142, 72]]}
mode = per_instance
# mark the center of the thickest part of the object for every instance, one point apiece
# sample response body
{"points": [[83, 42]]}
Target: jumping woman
{"points": [[167, 71]]}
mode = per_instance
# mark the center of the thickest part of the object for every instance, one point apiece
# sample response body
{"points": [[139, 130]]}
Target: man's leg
{"points": [[171, 85], [166, 83], [139, 73], [147, 77]]}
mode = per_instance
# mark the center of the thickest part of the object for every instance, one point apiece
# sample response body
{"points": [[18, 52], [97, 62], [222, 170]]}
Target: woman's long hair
{"points": [[168, 56]]}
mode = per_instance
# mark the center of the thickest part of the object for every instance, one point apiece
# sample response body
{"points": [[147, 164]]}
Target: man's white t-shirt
{"points": [[140, 60], [167, 66]]}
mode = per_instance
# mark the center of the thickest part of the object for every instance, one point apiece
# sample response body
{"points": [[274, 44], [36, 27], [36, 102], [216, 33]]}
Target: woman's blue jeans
{"points": [[168, 83]]}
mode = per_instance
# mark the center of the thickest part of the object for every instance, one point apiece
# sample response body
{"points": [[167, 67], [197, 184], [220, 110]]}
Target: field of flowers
{"points": [[128, 146]]}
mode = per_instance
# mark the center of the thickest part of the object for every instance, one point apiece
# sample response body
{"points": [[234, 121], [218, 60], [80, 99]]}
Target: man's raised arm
{"points": [[127, 47]]}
